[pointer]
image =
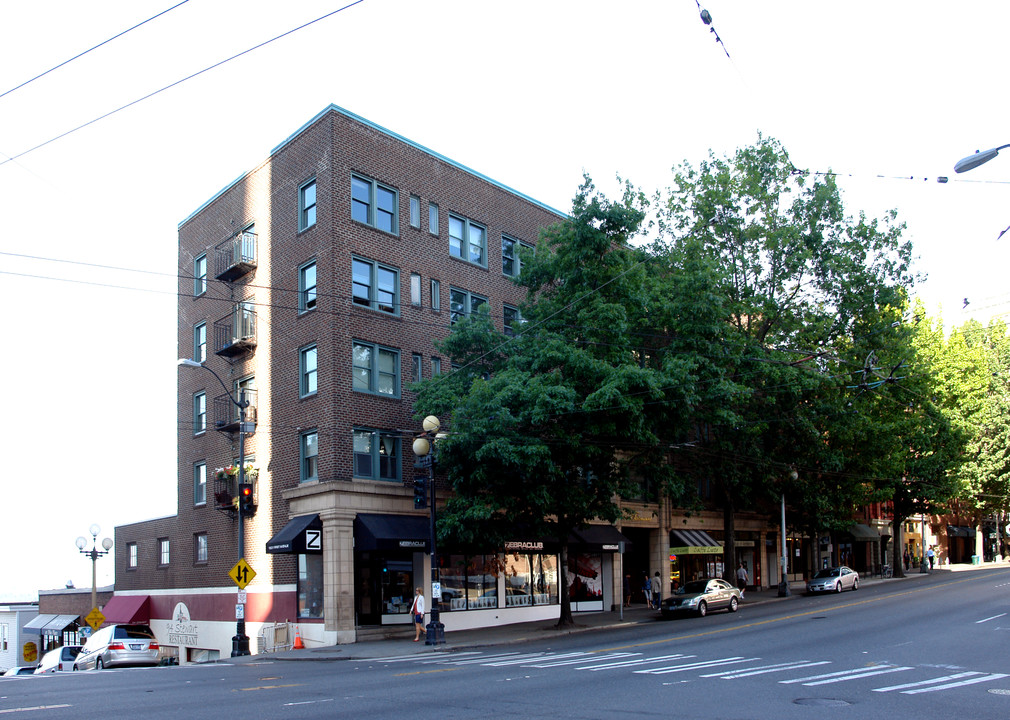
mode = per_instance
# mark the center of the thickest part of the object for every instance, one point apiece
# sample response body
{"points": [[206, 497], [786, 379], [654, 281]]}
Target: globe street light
{"points": [[979, 158], [434, 633], [239, 643], [94, 553]]}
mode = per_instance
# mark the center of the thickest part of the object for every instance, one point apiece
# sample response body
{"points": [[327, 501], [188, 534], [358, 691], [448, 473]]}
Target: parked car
{"points": [[114, 645], [700, 596], [25, 670], [833, 579], [59, 659]]}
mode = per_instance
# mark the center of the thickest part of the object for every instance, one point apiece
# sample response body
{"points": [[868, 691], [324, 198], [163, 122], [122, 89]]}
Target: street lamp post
{"points": [[979, 158], [435, 631], [94, 553], [239, 643], [922, 552], [784, 584]]}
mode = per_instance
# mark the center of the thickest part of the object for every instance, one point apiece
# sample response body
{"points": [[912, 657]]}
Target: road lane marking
{"points": [[31, 709], [845, 675], [638, 661], [765, 669], [972, 681], [921, 683], [582, 658], [425, 672], [270, 687], [979, 622], [694, 666]]}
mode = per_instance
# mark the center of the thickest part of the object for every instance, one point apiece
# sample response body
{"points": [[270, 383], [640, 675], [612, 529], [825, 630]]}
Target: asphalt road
{"points": [[934, 648]]}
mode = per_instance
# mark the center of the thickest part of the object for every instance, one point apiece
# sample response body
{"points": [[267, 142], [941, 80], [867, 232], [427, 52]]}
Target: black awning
{"points": [[391, 532], [303, 534], [864, 533], [960, 531], [600, 538]]}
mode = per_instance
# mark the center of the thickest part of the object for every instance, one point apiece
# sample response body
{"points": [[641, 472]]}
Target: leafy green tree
{"points": [[547, 429]]}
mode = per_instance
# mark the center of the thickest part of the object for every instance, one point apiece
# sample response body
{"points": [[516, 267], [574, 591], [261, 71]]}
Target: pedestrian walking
{"points": [[647, 590], [417, 610], [627, 589], [907, 559], [656, 587], [742, 580], [930, 556]]}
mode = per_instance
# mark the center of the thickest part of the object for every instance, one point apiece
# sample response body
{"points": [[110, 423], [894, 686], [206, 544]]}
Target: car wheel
{"points": [[734, 604], [855, 584], [702, 609], [99, 664], [75, 667], [838, 586]]}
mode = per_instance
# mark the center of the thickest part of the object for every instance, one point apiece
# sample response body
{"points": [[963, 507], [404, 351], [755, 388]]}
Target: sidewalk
{"points": [[403, 643]]}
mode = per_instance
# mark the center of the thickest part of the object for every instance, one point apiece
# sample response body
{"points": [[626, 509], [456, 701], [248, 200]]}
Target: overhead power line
{"points": [[82, 54], [177, 82]]}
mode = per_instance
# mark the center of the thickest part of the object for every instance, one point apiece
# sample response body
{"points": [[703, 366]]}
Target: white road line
{"points": [[492, 658], [841, 674], [545, 657], [764, 669], [583, 658], [972, 681], [920, 683], [30, 709], [408, 658], [694, 666], [639, 661], [979, 622], [872, 673]]}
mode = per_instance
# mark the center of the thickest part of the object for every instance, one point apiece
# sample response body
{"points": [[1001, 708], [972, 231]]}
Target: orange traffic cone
{"points": [[299, 645]]}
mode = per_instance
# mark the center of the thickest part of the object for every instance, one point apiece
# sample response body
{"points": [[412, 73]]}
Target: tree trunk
{"points": [[565, 618], [898, 561], [729, 543]]}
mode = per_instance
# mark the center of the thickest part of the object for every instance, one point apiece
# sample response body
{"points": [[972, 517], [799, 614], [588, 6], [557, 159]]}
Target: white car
{"points": [[24, 670], [59, 659], [833, 579], [118, 645]]}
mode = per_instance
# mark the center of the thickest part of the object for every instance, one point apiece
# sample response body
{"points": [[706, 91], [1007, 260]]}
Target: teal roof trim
{"points": [[384, 131]]}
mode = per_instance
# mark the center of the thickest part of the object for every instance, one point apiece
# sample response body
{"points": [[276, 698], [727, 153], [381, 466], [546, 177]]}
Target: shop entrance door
{"points": [[383, 586]]}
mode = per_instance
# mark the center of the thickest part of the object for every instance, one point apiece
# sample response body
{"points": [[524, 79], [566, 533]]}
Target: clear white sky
{"points": [[530, 93]]}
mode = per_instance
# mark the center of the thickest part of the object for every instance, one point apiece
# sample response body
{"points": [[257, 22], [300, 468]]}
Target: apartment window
{"points": [[512, 251], [375, 204], [376, 455], [200, 548], [436, 296], [131, 556], [200, 342], [415, 211], [467, 240], [436, 366], [512, 320], [376, 369], [415, 289], [200, 483], [309, 456], [307, 287], [375, 286], [462, 303], [199, 412], [163, 552], [200, 275], [307, 371], [433, 218], [415, 367], [307, 205]]}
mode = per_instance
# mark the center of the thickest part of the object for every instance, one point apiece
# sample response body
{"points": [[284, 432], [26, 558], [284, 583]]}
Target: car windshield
{"points": [[695, 587], [829, 572], [134, 631]]}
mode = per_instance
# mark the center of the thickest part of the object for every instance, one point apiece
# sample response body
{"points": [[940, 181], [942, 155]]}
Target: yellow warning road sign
{"points": [[94, 618], [242, 574]]}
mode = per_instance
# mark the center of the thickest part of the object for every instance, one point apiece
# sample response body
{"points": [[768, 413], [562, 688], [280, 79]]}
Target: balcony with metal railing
{"points": [[236, 257], [226, 414], [235, 333]]}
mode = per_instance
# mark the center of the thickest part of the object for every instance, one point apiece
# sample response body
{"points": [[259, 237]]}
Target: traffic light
{"points": [[420, 492], [246, 499]]}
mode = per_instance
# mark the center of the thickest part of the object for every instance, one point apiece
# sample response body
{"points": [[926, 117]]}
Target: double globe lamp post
{"points": [[94, 553], [425, 453]]}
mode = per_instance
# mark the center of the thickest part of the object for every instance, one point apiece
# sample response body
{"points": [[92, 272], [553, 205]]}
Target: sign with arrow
{"points": [[242, 574]]}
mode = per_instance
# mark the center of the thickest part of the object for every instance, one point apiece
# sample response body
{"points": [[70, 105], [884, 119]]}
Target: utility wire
{"points": [[177, 82], [82, 54]]}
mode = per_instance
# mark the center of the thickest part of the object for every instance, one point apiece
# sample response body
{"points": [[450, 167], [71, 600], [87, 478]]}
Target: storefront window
{"points": [[469, 582], [585, 577], [397, 587], [310, 586], [531, 580]]}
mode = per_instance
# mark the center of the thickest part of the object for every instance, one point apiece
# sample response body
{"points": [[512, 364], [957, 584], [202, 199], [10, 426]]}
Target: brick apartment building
{"points": [[316, 284]]}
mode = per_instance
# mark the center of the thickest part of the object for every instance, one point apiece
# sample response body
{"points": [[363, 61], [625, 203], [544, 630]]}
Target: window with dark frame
{"points": [[307, 205], [375, 286], [307, 287], [375, 369], [309, 456], [374, 204]]}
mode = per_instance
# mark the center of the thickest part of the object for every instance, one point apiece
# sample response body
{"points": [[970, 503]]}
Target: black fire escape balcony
{"points": [[236, 257], [226, 413], [235, 333]]}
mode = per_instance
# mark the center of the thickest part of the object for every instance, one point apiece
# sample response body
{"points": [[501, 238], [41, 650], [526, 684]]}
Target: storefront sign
{"points": [[697, 550], [182, 631], [526, 545], [413, 543], [30, 652]]}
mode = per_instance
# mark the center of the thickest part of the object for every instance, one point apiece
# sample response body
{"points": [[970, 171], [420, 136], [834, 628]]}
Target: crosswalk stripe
{"points": [[583, 658], [765, 669], [858, 676], [638, 661], [972, 681], [694, 666], [538, 658], [921, 683]]}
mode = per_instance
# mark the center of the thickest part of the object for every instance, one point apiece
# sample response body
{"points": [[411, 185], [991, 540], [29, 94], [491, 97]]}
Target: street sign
{"points": [[241, 597], [240, 612], [94, 618], [436, 590], [314, 540], [242, 574]]}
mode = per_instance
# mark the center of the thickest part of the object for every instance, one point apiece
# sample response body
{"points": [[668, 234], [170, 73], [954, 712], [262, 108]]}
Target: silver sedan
{"points": [[833, 579], [700, 596]]}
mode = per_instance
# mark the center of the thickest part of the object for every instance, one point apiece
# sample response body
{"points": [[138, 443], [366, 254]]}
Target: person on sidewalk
{"points": [[906, 559], [417, 610], [656, 587], [930, 556], [627, 590], [741, 579], [647, 589]]}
